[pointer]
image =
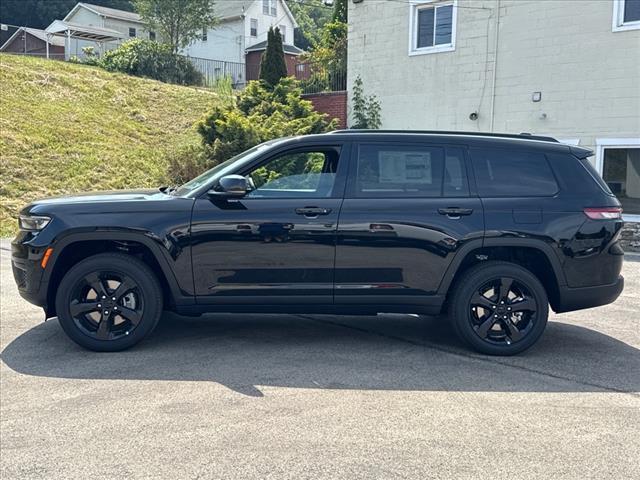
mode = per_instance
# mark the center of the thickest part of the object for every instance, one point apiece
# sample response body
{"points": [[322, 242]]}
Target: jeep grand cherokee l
{"points": [[492, 228]]}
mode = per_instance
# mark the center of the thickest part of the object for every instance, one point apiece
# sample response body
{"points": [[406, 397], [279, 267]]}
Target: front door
{"points": [[407, 210], [276, 245]]}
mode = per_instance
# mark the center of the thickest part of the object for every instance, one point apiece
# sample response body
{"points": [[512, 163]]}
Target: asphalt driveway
{"points": [[303, 396]]}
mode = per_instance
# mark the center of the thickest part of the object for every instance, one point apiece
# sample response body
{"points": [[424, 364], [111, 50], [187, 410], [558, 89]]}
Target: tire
{"points": [[109, 302], [495, 324]]}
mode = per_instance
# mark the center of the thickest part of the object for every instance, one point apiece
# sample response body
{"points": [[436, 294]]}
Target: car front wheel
{"points": [[109, 302], [499, 308]]}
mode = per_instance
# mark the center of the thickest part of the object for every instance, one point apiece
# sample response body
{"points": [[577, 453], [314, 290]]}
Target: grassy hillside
{"points": [[67, 128]]}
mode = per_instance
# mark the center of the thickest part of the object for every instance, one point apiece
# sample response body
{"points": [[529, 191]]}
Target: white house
{"points": [[565, 68], [242, 24]]}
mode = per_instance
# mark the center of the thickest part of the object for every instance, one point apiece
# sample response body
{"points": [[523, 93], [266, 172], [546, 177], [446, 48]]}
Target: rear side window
{"points": [[410, 171], [596, 176], [509, 173]]}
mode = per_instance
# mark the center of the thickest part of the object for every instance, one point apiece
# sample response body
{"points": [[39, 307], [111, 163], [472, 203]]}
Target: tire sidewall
{"points": [[117, 263], [482, 274]]}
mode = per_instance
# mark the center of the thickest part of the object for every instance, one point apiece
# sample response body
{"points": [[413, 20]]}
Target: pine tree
{"points": [[340, 9], [273, 66]]}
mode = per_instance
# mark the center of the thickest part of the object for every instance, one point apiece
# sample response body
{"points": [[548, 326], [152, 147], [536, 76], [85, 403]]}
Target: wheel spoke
{"points": [[524, 305], [81, 308], [514, 333], [125, 287], [132, 315], [481, 301], [104, 327], [485, 326], [97, 284], [505, 288]]}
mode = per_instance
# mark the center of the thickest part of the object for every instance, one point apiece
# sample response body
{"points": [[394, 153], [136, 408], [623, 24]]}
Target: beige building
{"points": [[565, 68]]}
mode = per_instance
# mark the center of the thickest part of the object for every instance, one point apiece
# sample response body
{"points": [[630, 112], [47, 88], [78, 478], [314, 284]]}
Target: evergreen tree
{"points": [[340, 8], [273, 66]]}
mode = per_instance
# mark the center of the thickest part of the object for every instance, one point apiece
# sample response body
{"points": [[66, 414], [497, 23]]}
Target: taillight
{"points": [[605, 213]]}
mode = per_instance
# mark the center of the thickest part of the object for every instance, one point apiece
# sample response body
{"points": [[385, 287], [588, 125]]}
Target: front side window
{"points": [[410, 171], [254, 27], [432, 27], [512, 173], [309, 174], [626, 15]]}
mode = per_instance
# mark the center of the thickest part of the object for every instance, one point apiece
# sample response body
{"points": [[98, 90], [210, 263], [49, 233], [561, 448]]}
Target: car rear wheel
{"points": [[499, 308], [109, 302]]}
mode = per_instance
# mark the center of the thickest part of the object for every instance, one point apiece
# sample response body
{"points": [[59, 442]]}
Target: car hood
{"points": [[101, 197]]}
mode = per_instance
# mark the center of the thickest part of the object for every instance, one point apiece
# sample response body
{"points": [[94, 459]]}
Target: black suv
{"points": [[493, 228]]}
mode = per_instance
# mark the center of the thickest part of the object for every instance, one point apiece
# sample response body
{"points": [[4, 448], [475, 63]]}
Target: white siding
{"points": [[589, 76], [265, 22], [225, 42]]}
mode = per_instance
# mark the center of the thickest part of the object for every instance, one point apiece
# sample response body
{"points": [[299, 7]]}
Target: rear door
{"points": [[408, 208]]}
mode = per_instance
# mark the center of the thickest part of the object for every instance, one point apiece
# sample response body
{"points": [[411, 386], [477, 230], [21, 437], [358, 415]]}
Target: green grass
{"points": [[67, 128]]}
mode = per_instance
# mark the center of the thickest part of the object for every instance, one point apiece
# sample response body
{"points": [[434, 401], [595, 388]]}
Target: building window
{"points": [[270, 7], [618, 161], [626, 15], [132, 32], [152, 36], [433, 27], [204, 34], [254, 27], [283, 32]]}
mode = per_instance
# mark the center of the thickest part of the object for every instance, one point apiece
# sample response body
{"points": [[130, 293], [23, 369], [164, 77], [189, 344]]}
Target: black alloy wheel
{"points": [[499, 308], [109, 302]]}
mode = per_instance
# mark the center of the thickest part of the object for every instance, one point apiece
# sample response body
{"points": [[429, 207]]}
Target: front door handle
{"points": [[455, 212], [313, 212]]}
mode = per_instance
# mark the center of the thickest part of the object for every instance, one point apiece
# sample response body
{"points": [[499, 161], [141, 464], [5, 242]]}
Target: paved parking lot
{"points": [[301, 396]]}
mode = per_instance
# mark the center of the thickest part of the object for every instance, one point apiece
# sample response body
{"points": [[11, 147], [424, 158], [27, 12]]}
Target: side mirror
{"points": [[231, 186]]}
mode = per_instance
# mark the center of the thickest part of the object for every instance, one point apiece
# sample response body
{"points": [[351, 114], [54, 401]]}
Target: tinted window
{"points": [[304, 174], [410, 171], [509, 173]]}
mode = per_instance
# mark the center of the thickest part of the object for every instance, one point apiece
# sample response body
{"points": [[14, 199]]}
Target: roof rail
{"points": [[522, 136]]}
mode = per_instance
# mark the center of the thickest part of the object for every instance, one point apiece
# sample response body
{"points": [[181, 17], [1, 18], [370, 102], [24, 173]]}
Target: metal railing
{"points": [[319, 78], [216, 70]]}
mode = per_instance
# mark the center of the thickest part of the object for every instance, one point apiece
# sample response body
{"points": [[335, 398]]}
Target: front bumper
{"points": [[587, 297], [28, 273]]}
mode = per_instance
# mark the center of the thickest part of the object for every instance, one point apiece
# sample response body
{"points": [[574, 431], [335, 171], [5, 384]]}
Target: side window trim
{"points": [[351, 183]]}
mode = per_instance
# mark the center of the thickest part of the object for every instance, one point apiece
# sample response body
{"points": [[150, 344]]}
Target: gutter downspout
{"points": [[495, 66]]}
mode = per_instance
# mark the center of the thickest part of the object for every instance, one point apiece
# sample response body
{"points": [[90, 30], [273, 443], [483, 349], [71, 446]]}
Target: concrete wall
{"points": [[589, 76]]}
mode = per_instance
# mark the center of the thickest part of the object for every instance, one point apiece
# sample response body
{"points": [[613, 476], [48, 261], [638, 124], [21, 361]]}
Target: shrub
{"points": [[259, 113], [187, 162], [366, 109], [144, 58], [273, 66]]}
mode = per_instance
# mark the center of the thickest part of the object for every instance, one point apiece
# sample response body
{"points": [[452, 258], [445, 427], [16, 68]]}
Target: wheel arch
{"points": [[534, 255], [73, 248]]}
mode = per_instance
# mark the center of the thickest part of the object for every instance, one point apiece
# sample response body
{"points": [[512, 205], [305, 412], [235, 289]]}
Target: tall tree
{"points": [[340, 9], [272, 65], [178, 22], [311, 15]]}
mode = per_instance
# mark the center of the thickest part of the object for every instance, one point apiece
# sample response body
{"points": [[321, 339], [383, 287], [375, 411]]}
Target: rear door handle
{"points": [[312, 212], [455, 212]]}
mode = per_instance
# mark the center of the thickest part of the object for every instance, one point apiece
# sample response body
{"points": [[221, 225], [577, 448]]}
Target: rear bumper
{"points": [[587, 297]]}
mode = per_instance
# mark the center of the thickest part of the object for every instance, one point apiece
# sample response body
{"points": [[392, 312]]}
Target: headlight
{"points": [[35, 223]]}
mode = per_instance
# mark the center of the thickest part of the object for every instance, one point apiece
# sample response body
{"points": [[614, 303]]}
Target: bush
{"points": [[187, 162], [144, 58], [259, 113]]}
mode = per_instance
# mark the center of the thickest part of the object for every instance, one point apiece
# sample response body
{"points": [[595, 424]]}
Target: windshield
{"points": [[220, 169]]}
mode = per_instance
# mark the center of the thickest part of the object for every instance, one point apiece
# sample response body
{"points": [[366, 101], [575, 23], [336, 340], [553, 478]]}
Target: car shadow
{"points": [[384, 352]]}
